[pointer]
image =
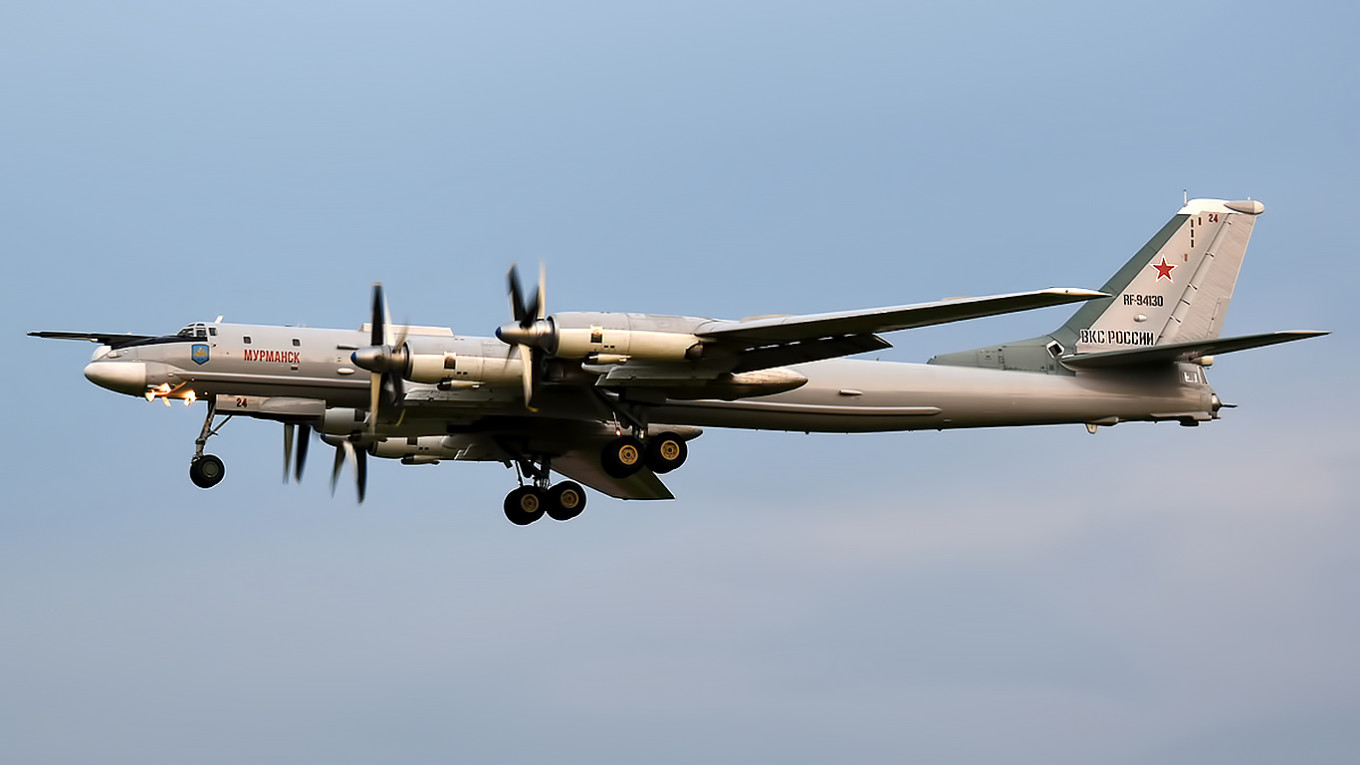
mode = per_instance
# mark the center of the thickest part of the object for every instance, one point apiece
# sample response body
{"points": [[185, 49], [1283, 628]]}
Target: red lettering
{"points": [[274, 357]]}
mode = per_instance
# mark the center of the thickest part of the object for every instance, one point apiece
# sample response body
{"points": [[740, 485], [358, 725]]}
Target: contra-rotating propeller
{"points": [[386, 358], [346, 450], [357, 457], [306, 433], [531, 332]]}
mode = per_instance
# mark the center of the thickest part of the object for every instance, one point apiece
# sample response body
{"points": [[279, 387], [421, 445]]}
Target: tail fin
{"points": [[1176, 289]]}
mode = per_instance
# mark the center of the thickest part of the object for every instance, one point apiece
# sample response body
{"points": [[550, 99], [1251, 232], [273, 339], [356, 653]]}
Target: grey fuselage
{"points": [[252, 362]]}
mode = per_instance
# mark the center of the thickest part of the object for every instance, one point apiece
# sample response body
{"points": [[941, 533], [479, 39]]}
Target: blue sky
{"points": [[1150, 594]]}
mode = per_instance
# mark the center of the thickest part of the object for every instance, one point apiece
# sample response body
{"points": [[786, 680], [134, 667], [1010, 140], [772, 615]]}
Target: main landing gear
{"points": [[207, 470], [626, 455], [530, 502]]}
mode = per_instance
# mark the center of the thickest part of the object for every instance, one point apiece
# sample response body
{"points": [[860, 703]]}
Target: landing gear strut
{"points": [[530, 502], [207, 470]]}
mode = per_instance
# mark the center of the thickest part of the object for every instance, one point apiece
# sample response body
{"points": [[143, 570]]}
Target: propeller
{"points": [[530, 332], [357, 458], [306, 433], [386, 359]]}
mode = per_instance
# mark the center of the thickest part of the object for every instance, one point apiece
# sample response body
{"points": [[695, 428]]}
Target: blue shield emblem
{"points": [[199, 354]]}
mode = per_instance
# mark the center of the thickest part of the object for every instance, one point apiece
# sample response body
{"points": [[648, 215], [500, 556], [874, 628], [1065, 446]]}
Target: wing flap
{"points": [[803, 351], [1189, 351]]}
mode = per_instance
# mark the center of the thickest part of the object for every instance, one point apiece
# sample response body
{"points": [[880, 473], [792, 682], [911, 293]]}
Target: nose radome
{"points": [[121, 376]]}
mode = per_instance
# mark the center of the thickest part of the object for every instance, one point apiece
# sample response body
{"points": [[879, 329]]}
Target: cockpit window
{"points": [[197, 329]]}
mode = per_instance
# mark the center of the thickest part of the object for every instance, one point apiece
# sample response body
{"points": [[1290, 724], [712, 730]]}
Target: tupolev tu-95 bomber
{"points": [[612, 400]]}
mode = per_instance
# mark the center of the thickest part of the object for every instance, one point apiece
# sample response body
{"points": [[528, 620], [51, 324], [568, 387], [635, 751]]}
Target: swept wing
{"points": [[777, 341]]}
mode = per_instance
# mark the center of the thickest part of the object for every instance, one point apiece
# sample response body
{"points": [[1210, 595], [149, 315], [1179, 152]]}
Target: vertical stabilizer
{"points": [[1175, 289]]}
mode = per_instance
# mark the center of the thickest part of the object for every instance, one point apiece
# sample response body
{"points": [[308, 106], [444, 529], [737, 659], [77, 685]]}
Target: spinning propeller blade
{"points": [[529, 331], [385, 359], [306, 435], [287, 449], [345, 451]]}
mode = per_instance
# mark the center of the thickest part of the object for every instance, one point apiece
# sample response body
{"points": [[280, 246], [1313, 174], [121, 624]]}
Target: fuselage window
{"points": [[296, 342], [246, 339]]}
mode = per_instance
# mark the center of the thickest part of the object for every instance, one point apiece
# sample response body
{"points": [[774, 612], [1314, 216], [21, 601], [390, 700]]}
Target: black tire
{"points": [[623, 457], [206, 471], [525, 505], [666, 452], [566, 500]]}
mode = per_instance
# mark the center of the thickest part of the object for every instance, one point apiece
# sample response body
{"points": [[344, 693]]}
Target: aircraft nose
{"points": [[122, 376]]}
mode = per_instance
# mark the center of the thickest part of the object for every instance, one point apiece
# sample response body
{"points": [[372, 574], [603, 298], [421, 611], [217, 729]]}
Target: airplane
{"points": [[612, 400]]}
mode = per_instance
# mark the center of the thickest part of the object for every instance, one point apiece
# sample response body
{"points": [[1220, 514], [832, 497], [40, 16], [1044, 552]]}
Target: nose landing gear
{"points": [[207, 470]]}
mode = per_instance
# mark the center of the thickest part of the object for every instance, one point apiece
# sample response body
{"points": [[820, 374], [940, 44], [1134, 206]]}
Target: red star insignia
{"points": [[1163, 269]]}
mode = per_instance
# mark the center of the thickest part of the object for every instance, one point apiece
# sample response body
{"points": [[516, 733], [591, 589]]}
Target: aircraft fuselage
{"points": [[249, 362]]}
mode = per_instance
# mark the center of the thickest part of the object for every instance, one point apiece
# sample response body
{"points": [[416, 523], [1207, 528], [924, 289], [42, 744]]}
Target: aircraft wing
{"points": [[1172, 352], [114, 339], [583, 466], [780, 340]]}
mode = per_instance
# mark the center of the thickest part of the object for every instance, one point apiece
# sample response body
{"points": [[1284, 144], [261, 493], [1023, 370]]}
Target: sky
{"points": [[1150, 594]]}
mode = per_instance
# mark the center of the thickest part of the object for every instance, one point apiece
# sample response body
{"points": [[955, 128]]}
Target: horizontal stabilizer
{"points": [[114, 339], [1173, 352]]}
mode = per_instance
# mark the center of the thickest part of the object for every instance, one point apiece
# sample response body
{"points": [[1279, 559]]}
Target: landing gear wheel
{"points": [[206, 471], [622, 457], [566, 500], [525, 505], [666, 452]]}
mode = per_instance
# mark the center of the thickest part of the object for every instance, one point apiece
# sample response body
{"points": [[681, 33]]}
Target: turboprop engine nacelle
{"points": [[421, 450], [446, 367], [342, 421], [614, 335]]}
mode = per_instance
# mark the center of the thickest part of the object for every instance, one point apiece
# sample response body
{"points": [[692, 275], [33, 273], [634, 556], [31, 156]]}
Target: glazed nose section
{"points": [[121, 376]]}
